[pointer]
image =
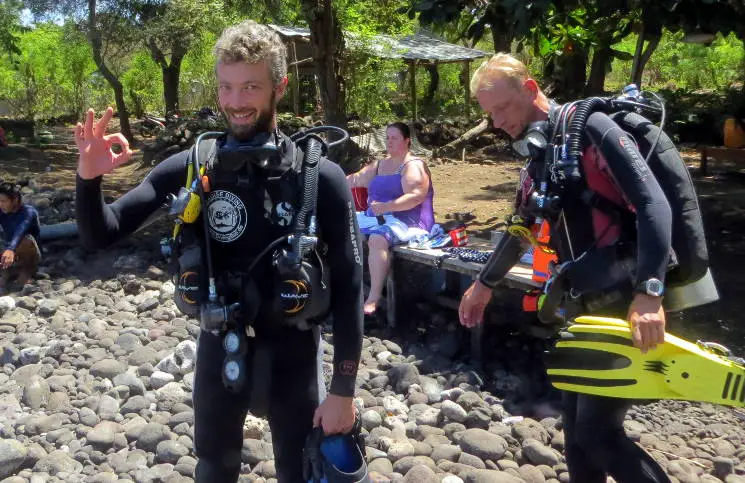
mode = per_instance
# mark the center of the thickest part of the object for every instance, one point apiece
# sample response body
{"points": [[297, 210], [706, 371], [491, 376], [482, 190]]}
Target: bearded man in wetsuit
{"points": [[596, 443], [251, 71]]}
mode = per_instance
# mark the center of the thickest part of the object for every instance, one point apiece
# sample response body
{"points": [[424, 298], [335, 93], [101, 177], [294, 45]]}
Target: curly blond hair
{"points": [[499, 66], [252, 43]]}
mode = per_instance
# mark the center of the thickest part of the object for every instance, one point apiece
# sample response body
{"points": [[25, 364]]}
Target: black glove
{"points": [[359, 438], [312, 457]]}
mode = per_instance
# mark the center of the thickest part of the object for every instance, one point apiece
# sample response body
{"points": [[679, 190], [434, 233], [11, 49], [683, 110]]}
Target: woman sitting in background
{"points": [[399, 204]]}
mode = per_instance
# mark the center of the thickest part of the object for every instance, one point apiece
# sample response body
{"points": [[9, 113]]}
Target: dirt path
{"points": [[56, 169]]}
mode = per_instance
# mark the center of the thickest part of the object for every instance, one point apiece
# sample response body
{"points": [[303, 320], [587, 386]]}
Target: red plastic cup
{"points": [[359, 194]]}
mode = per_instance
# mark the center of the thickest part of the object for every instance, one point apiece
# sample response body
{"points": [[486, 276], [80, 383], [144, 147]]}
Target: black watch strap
{"points": [[651, 286]]}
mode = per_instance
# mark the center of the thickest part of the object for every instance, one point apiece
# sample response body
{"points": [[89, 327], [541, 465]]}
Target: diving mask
{"points": [[261, 150]]}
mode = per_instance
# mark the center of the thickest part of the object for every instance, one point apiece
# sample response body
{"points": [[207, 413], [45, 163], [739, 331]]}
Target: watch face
{"points": [[654, 287]]}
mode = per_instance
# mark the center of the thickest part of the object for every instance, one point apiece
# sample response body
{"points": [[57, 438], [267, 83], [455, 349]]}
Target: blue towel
{"points": [[527, 258]]}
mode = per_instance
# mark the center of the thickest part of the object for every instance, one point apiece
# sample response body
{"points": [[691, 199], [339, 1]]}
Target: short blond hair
{"points": [[251, 42], [499, 66]]}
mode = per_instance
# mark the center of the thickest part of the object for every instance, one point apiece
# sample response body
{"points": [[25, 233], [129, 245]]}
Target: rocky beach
{"points": [[96, 372]]}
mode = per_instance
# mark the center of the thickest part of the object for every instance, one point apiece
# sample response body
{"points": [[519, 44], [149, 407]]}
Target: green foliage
{"points": [[143, 85], [372, 86], [561, 32], [79, 65], [10, 26], [370, 17], [53, 74], [279, 12], [450, 96], [50, 76], [678, 65], [197, 84], [372, 82], [182, 19]]}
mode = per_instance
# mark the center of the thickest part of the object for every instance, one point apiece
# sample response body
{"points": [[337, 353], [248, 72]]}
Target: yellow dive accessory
{"points": [[596, 356], [187, 205], [521, 231]]}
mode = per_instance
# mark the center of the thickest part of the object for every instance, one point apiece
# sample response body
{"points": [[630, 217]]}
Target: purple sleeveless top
{"points": [[387, 187]]}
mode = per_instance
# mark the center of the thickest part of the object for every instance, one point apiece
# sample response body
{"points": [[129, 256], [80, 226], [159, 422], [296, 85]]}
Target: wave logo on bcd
{"points": [[294, 294], [227, 216], [188, 286]]}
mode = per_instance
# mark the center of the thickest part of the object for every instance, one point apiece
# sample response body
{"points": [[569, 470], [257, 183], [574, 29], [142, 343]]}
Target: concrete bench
{"points": [[519, 277]]}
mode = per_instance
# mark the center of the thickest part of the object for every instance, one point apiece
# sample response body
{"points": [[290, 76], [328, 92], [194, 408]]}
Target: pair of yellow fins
{"points": [[596, 356]]}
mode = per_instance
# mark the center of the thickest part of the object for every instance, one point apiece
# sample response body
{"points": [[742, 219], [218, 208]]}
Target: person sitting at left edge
{"points": [[251, 72], [20, 224]]}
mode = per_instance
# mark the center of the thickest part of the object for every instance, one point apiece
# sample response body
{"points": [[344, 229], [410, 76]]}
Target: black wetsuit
{"points": [[596, 443], [295, 383]]}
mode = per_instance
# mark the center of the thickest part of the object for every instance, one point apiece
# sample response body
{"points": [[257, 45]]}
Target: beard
{"points": [[262, 124]]}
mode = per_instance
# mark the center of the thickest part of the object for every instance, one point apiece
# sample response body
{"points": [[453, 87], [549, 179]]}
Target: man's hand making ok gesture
{"points": [[96, 156]]}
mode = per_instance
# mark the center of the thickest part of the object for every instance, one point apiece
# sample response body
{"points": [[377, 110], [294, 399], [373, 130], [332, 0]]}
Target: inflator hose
{"points": [[576, 135], [205, 217], [310, 190]]}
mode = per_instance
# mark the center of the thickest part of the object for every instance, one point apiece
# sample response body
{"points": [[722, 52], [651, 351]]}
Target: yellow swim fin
{"points": [[596, 356]]}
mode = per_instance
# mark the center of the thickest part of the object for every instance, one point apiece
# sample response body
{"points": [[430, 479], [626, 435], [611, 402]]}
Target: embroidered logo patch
{"points": [[347, 368], [227, 216]]}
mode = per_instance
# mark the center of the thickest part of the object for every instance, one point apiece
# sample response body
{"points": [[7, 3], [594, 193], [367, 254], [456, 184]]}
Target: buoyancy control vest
{"points": [[573, 168], [251, 248]]}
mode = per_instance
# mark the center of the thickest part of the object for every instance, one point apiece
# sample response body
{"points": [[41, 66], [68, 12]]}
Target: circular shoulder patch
{"points": [[226, 215]]}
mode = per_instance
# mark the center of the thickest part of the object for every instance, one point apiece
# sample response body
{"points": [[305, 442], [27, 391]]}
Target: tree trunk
{"points": [[567, 75], [434, 82], [31, 90], [501, 37], [171, 76], [466, 137], [94, 36], [327, 44], [601, 58], [139, 108], [643, 57], [171, 72]]}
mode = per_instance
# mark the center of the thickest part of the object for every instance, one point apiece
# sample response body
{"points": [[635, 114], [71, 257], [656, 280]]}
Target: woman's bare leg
{"points": [[378, 261]]}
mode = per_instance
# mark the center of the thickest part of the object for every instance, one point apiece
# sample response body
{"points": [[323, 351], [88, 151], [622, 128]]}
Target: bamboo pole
{"points": [[296, 83], [467, 88], [412, 86]]}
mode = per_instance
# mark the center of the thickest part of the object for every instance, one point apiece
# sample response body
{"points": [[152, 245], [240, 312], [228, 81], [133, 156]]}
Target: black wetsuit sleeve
{"points": [[638, 184], [100, 224], [339, 230], [507, 253]]}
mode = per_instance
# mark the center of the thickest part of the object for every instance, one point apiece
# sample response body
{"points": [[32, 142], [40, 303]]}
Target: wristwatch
{"points": [[651, 286]]}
